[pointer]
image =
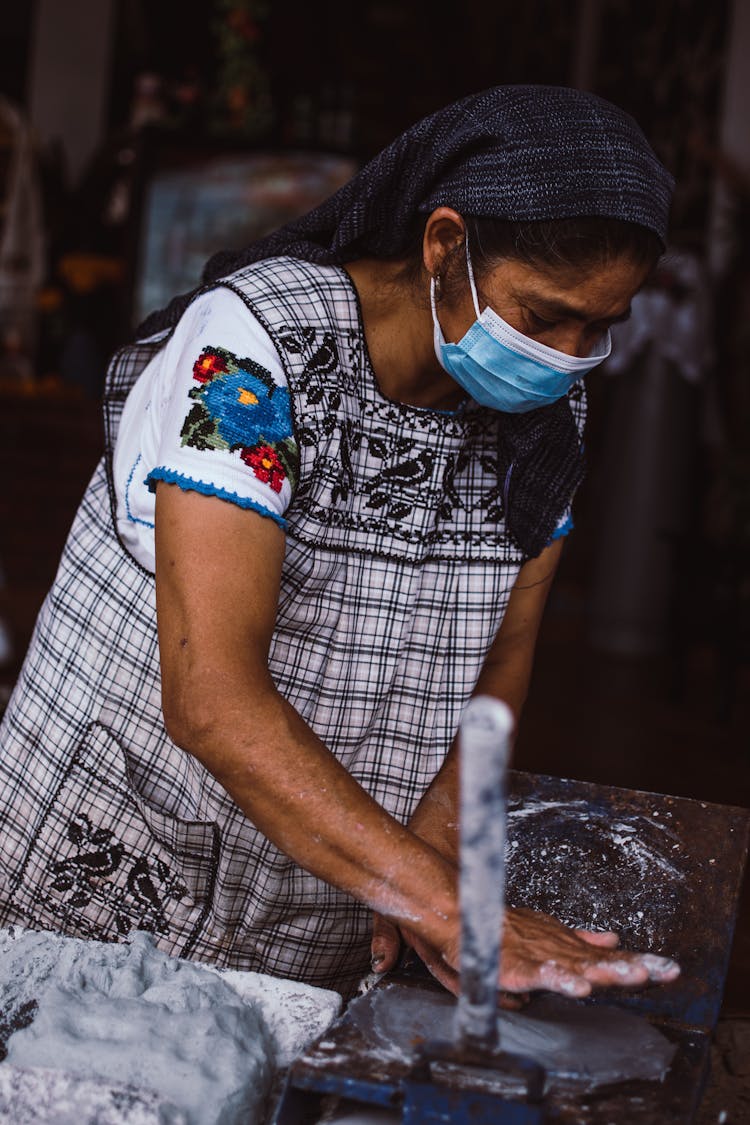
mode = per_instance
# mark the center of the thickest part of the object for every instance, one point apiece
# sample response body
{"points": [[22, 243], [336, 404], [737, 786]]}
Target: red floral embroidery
{"points": [[207, 365], [265, 464]]}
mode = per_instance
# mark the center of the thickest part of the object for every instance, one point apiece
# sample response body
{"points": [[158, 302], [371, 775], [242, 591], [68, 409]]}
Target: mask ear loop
{"points": [[470, 271]]}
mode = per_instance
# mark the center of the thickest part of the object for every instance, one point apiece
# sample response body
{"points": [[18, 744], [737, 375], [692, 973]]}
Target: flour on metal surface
{"points": [[592, 871]]}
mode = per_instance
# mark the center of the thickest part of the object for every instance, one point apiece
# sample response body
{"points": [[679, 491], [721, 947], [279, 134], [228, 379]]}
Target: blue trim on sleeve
{"points": [[564, 528], [190, 485]]}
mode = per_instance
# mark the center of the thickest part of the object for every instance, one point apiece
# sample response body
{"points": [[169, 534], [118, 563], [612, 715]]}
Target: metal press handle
{"points": [[485, 740]]}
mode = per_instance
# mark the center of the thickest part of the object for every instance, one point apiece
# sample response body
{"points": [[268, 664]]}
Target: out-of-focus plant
{"points": [[242, 89]]}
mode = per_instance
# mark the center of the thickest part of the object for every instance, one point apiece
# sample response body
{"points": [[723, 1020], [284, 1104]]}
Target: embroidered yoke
{"points": [[397, 573]]}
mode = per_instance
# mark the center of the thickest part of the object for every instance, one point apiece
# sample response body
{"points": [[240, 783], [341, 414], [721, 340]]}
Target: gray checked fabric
{"points": [[398, 570]]}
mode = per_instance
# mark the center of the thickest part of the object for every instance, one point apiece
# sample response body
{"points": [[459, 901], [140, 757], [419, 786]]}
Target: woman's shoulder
{"points": [[289, 279], [219, 315], [289, 294]]}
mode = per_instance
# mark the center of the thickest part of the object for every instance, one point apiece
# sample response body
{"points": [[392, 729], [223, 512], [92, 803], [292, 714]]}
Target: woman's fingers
{"points": [[628, 970], [576, 975], [539, 952], [660, 969], [607, 938], [385, 945], [558, 978], [438, 966], [623, 970]]}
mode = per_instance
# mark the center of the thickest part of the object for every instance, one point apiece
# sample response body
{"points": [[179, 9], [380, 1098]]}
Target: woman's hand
{"points": [[538, 952]]}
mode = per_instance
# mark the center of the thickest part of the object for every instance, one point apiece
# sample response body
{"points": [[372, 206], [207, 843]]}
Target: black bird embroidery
{"points": [[406, 474]]}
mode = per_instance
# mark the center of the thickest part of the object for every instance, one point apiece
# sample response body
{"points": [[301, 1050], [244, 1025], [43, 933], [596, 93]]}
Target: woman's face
{"points": [[567, 309]]}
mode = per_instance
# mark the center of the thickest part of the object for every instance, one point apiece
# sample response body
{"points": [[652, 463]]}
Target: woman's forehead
{"points": [[601, 290]]}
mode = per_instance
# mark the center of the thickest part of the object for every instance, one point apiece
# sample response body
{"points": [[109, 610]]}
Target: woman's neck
{"points": [[399, 335]]}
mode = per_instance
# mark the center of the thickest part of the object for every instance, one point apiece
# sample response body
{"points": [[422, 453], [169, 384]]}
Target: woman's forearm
{"points": [[436, 817]]}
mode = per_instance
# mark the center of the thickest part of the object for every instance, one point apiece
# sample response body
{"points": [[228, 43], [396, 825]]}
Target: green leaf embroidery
{"points": [[288, 454], [200, 430]]}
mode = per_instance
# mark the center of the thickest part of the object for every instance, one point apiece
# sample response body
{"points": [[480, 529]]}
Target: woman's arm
{"points": [[506, 674], [529, 935], [218, 571], [217, 583]]}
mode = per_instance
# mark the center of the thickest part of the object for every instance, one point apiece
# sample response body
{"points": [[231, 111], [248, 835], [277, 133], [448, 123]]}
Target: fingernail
{"points": [[377, 959], [575, 986], [660, 967]]}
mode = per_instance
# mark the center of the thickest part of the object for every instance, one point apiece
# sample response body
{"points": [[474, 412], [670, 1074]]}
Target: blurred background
{"points": [[138, 137]]}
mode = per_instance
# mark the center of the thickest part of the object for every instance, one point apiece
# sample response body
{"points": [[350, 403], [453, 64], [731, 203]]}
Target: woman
{"points": [[340, 484]]}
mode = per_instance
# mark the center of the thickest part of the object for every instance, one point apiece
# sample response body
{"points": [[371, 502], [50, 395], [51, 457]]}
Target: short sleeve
{"points": [[225, 420], [564, 526], [210, 413]]}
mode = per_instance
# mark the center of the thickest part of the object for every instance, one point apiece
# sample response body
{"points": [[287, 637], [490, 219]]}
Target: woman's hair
{"points": [[562, 243], [579, 243]]}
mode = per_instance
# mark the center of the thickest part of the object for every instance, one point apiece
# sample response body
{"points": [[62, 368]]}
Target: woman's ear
{"points": [[443, 232]]}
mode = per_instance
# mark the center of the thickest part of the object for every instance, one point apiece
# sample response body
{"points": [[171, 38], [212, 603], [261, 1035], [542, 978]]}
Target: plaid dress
{"points": [[397, 572]]}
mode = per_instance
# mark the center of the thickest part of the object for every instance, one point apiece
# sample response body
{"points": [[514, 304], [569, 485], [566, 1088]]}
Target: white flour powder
{"points": [[129, 1014]]}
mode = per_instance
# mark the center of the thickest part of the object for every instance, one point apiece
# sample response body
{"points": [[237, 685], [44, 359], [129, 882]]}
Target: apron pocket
{"points": [[103, 862]]}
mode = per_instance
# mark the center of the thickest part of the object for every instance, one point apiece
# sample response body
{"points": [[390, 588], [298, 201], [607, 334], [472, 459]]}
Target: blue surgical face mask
{"points": [[500, 367]]}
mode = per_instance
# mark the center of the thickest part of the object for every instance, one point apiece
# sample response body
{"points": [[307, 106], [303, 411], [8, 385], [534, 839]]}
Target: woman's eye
{"points": [[539, 323]]}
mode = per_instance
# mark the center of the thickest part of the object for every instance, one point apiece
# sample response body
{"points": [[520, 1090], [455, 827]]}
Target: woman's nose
{"points": [[575, 340]]}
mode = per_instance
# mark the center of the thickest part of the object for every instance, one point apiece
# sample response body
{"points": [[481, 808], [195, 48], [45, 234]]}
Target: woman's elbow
{"points": [[190, 718], [205, 714]]}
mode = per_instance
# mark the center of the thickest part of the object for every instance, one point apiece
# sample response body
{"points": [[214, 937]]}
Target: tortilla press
{"points": [[663, 871]]}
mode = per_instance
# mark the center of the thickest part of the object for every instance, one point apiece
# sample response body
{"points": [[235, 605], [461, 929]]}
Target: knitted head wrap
{"points": [[520, 153]]}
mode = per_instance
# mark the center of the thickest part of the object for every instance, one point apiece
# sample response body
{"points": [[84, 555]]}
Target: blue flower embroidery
{"points": [[238, 407]]}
